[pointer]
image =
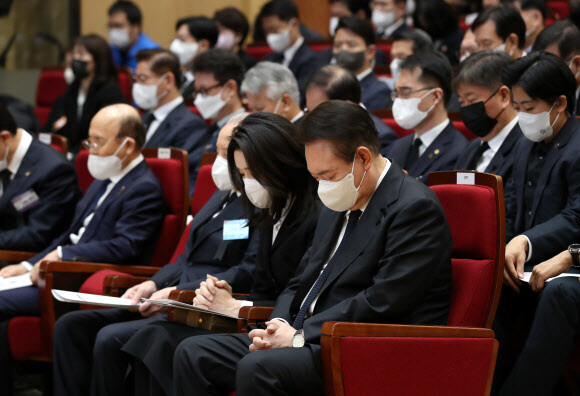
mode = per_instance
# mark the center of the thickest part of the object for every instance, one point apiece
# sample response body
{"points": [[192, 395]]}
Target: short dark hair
{"points": [[338, 83], [354, 6], [7, 122], [564, 34], [483, 69], [507, 21], [435, 69], [539, 5], [130, 9], [436, 17], [421, 40], [347, 125], [223, 64], [99, 49], [276, 160], [201, 28], [542, 76], [132, 126], [233, 19], [283, 9], [359, 27], [162, 61]]}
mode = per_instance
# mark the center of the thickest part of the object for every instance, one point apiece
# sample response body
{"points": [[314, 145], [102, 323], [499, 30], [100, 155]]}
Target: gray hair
{"points": [[275, 78]]}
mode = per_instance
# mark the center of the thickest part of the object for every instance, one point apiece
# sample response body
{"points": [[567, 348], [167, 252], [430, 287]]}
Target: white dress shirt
{"points": [[223, 121], [297, 117], [494, 145], [81, 99], [429, 137], [19, 154], [388, 31], [161, 114], [291, 51], [363, 74]]}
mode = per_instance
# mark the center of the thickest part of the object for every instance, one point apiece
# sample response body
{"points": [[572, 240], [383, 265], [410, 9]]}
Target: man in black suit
{"points": [[38, 189], [91, 341], [116, 221], [168, 121], [389, 17], [335, 83], [272, 88], [406, 43], [421, 94], [488, 113], [381, 227], [500, 28], [354, 49], [280, 21]]}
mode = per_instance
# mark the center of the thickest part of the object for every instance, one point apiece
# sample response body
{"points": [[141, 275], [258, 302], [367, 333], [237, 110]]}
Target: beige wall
{"points": [[159, 16]]}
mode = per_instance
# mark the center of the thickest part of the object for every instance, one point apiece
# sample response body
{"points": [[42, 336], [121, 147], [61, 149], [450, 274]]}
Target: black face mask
{"points": [[352, 61], [79, 69], [476, 119]]}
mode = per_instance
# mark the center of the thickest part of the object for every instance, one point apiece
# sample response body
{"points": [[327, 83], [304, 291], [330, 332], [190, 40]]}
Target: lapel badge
{"points": [[430, 156], [437, 151], [27, 173]]}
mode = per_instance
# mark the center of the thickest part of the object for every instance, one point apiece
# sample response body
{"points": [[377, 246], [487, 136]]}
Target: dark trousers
{"points": [[214, 364], [87, 351], [23, 301], [555, 326]]}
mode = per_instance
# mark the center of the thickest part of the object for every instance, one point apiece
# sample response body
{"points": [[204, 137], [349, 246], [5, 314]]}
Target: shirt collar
{"points": [[363, 74], [391, 29], [297, 117], [162, 112], [291, 51], [429, 137], [188, 75], [224, 120], [130, 166], [21, 150], [381, 177], [497, 141]]}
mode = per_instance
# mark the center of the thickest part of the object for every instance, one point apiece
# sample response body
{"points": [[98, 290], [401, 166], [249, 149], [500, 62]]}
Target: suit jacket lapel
{"points": [[434, 151], [504, 150], [22, 179]]}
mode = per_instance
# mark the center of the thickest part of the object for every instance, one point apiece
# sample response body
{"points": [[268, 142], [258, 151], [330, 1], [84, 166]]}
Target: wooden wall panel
{"points": [[315, 14]]}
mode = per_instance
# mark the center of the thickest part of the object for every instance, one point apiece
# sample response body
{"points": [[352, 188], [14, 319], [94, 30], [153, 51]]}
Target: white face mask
{"points": [[537, 127], [102, 168], [383, 19], [4, 162], [69, 76], [257, 194], [277, 106], [570, 66], [221, 175], [119, 37], [501, 48], [279, 42], [332, 25], [145, 95], [407, 113], [184, 51], [209, 105], [340, 195], [464, 57], [395, 67], [226, 40]]}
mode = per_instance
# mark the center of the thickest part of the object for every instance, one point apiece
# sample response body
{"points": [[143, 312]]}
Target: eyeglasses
{"points": [[205, 91], [90, 144], [405, 92]]}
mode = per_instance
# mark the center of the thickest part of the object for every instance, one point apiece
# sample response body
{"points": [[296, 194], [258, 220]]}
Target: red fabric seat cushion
{"points": [[51, 85], [25, 338], [181, 244], [400, 131], [258, 51], [415, 366], [94, 283], [204, 189], [460, 126], [560, 8], [126, 84], [83, 174], [472, 217]]}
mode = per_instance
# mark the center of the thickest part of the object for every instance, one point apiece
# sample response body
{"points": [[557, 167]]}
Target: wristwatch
{"points": [[574, 250], [298, 340]]}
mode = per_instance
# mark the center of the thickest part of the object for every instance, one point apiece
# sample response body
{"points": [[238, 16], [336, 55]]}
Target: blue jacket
{"points": [[53, 179], [206, 251], [375, 94], [555, 213], [130, 60], [124, 227], [439, 156]]}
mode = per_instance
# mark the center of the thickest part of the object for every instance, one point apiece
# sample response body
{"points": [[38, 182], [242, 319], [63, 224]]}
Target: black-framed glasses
{"points": [[204, 91]]}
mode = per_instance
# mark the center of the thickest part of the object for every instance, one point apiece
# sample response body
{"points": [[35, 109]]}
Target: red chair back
{"points": [[57, 142], [83, 174], [51, 85], [258, 51], [475, 212], [125, 83], [560, 8], [460, 126], [204, 189]]}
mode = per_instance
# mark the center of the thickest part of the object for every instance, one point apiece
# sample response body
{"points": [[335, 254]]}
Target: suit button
{"points": [[530, 213], [530, 183]]}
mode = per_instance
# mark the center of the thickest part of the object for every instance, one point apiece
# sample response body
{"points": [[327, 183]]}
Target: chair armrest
{"points": [[113, 284], [15, 256], [255, 314], [90, 268], [185, 296]]}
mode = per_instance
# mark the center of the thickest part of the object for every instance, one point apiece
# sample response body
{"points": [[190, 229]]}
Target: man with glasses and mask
{"points": [[116, 221], [389, 17], [168, 121], [272, 88], [380, 226], [420, 100], [500, 28]]}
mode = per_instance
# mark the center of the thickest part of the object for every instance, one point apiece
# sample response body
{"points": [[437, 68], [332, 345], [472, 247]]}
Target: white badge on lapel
{"points": [[25, 201]]}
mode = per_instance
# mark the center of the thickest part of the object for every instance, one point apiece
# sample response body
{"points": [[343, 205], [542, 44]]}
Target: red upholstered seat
{"points": [[560, 8], [83, 174], [258, 51], [51, 85], [400, 131], [204, 189], [460, 126], [125, 83]]}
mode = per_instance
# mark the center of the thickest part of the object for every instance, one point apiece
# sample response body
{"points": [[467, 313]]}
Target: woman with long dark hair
{"points": [[95, 86], [267, 166]]}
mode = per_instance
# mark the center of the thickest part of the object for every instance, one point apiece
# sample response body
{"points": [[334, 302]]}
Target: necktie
{"points": [[477, 157], [93, 206], [148, 120], [413, 154], [4, 180], [352, 221]]}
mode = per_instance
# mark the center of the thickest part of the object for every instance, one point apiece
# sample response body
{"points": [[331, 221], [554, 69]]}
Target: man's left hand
{"points": [[52, 256], [549, 269], [278, 334]]}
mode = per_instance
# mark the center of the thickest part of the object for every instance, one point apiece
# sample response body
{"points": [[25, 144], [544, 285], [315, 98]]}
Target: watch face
{"points": [[298, 341], [574, 248]]}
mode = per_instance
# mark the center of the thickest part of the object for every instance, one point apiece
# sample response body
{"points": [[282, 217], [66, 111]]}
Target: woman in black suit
{"points": [[267, 166], [94, 87]]}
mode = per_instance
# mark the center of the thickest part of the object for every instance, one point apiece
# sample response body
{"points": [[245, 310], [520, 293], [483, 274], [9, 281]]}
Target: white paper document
{"points": [[14, 282], [177, 304], [527, 276], [94, 299]]}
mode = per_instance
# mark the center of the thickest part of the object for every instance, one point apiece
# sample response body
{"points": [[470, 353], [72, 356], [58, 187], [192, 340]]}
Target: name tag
{"points": [[236, 229], [465, 178], [25, 201]]}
